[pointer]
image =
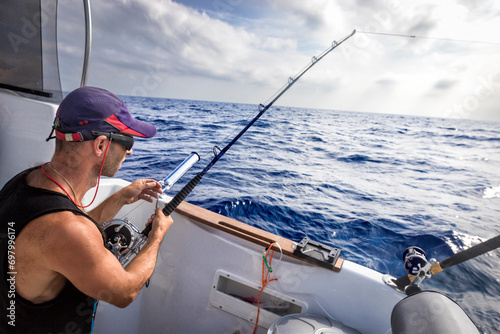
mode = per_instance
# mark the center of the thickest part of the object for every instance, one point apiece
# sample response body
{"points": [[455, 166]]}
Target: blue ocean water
{"points": [[371, 184]]}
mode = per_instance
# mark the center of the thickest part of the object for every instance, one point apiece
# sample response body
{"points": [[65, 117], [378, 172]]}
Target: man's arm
{"points": [[145, 189], [94, 270]]}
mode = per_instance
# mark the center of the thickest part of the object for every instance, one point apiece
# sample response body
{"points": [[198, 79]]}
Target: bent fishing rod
{"points": [[186, 190]]}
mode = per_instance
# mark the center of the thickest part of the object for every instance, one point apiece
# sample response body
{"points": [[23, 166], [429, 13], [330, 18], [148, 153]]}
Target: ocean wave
{"points": [[358, 158], [370, 184], [461, 241], [492, 192]]}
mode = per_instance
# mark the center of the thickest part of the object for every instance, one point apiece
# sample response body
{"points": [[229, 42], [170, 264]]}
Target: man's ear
{"points": [[99, 145]]}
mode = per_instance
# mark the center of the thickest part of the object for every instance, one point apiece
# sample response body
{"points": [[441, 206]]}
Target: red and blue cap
{"points": [[92, 109]]}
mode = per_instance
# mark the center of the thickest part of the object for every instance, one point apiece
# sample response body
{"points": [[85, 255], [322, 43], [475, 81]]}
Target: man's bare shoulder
{"points": [[57, 228], [45, 246]]}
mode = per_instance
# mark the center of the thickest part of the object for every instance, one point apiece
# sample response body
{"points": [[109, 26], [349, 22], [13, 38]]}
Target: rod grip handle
{"points": [[174, 203]]}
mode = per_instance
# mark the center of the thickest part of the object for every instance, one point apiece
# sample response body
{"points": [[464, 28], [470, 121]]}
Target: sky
{"points": [[244, 51]]}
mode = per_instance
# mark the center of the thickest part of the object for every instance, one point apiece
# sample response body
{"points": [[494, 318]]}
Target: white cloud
{"points": [[244, 51]]}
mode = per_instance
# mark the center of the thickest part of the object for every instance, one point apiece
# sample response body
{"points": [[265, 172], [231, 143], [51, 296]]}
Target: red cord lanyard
{"points": [[67, 194]]}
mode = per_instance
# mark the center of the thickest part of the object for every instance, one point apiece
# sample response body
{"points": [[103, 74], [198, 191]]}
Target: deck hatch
{"points": [[238, 296]]}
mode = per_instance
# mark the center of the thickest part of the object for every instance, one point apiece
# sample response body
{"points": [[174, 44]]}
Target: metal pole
{"points": [[88, 42]]}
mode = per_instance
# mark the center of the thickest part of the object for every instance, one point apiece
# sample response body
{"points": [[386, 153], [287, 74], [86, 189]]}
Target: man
{"points": [[54, 263]]}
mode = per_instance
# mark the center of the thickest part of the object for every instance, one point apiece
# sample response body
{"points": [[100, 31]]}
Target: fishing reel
{"points": [[123, 239], [417, 265]]}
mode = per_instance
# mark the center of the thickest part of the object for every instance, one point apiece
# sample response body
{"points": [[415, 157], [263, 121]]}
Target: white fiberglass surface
{"points": [[178, 297], [24, 125]]}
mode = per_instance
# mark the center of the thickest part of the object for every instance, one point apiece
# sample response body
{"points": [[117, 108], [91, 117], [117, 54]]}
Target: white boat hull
{"points": [[186, 295]]}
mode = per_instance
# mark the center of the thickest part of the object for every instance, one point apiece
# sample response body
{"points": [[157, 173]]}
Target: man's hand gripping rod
{"points": [[184, 192]]}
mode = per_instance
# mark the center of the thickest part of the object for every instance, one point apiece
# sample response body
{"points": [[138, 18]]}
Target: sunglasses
{"points": [[120, 138]]}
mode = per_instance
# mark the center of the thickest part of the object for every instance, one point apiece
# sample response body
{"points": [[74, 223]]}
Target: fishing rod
{"points": [[124, 240], [418, 268], [186, 190]]}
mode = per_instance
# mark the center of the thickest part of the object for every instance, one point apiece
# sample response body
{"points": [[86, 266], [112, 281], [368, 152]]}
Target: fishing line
{"points": [[305, 296], [246, 118], [427, 37], [218, 152]]}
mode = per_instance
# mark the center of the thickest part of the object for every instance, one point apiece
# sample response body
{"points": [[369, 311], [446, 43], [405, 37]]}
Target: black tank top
{"points": [[71, 311]]}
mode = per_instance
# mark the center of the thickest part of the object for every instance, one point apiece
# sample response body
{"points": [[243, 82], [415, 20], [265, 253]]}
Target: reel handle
{"points": [[174, 203]]}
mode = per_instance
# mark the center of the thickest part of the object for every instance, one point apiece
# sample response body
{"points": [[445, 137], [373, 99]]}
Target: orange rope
{"points": [[266, 270]]}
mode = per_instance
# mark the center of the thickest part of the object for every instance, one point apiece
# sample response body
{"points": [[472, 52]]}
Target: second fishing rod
{"points": [[218, 153]]}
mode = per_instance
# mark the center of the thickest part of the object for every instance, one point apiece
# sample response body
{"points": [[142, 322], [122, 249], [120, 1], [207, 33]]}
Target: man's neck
{"points": [[74, 182], [79, 180]]}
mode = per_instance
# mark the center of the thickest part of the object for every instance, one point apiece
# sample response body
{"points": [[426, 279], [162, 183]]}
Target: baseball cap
{"points": [[88, 110]]}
